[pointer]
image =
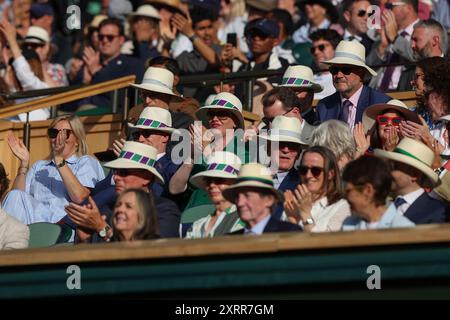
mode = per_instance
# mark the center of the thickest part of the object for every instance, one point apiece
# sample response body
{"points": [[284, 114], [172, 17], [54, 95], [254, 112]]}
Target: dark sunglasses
{"points": [[109, 37], [384, 120], [321, 48], [144, 133], [221, 115], [361, 13], [123, 172], [315, 171], [210, 180], [53, 133], [34, 46], [345, 70], [391, 6]]}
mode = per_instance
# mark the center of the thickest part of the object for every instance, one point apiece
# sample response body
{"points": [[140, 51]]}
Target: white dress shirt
{"points": [[259, 227], [409, 198]]}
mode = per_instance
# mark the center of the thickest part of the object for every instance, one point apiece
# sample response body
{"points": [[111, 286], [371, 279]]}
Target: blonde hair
{"points": [[77, 129]]}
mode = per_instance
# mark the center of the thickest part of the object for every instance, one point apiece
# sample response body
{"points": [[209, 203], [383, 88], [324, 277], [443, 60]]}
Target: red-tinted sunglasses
{"points": [[384, 120]]}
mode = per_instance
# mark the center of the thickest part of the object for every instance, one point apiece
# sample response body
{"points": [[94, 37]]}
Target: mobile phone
{"points": [[232, 39]]}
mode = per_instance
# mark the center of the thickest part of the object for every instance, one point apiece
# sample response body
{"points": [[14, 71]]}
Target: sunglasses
{"points": [[53, 133], [384, 120], [34, 46], [144, 133], [345, 70], [221, 115], [361, 13], [391, 5], [109, 37], [315, 171], [321, 48]]}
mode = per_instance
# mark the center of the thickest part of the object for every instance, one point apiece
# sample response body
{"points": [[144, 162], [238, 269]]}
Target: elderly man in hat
{"points": [[256, 198], [301, 80], [135, 168], [352, 97], [411, 170]]}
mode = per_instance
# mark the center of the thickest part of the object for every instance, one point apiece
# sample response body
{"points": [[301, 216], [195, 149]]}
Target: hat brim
{"points": [[281, 138], [34, 40], [155, 88], [445, 118], [373, 111], [432, 176], [166, 130], [352, 62], [122, 163], [198, 180], [201, 115], [133, 15], [230, 192], [315, 87]]}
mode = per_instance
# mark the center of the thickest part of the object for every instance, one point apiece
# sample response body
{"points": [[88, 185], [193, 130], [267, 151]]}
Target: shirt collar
{"points": [[160, 155], [259, 227], [409, 29], [347, 35], [412, 196], [354, 98], [388, 216], [71, 160]]}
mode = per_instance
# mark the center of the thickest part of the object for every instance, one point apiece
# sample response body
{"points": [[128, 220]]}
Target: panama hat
{"points": [[300, 77], [263, 5], [136, 155], [145, 10], [154, 118], [352, 53], [254, 175], [371, 113], [287, 129], [220, 164], [223, 101], [37, 35], [413, 153], [157, 80], [173, 4]]}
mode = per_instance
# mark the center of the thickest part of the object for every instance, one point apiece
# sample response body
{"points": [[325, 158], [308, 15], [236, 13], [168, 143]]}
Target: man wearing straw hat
{"points": [[135, 168], [255, 198], [411, 169], [352, 97]]}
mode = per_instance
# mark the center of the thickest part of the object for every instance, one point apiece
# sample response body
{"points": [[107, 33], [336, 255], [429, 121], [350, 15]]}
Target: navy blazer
{"points": [[426, 210], [331, 107], [290, 182], [274, 225], [167, 169]]}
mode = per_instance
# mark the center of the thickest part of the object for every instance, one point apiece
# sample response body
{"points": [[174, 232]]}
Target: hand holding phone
{"points": [[232, 39]]}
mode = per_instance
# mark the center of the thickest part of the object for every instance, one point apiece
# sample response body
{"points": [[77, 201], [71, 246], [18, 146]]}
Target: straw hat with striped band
{"points": [[223, 101], [221, 164], [300, 77], [157, 80], [154, 118], [352, 53], [252, 175], [415, 154], [371, 113], [37, 34], [289, 129], [136, 155]]}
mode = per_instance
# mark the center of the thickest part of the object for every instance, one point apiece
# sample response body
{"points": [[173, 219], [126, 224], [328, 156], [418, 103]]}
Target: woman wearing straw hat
{"points": [[381, 126], [222, 117], [317, 203], [367, 195], [222, 171], [255, 199]]}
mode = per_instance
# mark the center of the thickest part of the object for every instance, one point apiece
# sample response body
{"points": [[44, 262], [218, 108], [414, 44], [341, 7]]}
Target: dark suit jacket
{"points": [[275, 225], [167, 169], [426, 210], [311, 117], [290, 182], [331, 107]]}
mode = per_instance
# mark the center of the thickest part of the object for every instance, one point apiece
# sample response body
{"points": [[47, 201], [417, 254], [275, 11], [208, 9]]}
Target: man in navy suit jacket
{"points": [[352, 97]]}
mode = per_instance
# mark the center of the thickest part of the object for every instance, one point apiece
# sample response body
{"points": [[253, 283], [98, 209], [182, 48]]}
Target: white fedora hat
{"points": [[254, 175], [157, 80], [300, 77], [370, 113], [287, 129], [37, 34], [223, 101], [221, 164], [415, 154], [352, 53], [145, 10], [154, 118], [136, 155]]}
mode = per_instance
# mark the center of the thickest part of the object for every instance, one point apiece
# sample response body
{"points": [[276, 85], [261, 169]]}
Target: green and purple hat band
{"points": [[222, 167], [296, 81], [137, 158], [225, 104], [151, 123]]}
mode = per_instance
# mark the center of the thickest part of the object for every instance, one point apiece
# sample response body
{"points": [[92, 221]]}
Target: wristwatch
{"points": [[62, 164], [103, 233], [308, 221]]}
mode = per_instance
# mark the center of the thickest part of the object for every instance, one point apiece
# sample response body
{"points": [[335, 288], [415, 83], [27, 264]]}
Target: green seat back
{"points": [[302, 53], [193, 214], [44, 234]]}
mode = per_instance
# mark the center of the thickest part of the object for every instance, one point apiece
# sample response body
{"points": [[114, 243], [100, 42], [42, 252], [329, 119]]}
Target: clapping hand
{"points": [[19, 150]]}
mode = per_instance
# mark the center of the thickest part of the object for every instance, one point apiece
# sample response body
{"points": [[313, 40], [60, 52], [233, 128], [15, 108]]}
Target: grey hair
{"points": [[437, 27], [336, 136]]}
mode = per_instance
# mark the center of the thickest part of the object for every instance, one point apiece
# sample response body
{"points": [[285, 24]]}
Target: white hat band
{"points": [[341, 54]]}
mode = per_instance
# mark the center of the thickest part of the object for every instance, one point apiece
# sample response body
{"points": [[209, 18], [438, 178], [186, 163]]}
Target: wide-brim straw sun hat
{"points": [[300, 77], [157, 80], [223, 101], [252, 175], [288, 129], [415, 154], [351, 53], [221, 164], [154, 118], [147, 11], [136, 155], [37, 35]]}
